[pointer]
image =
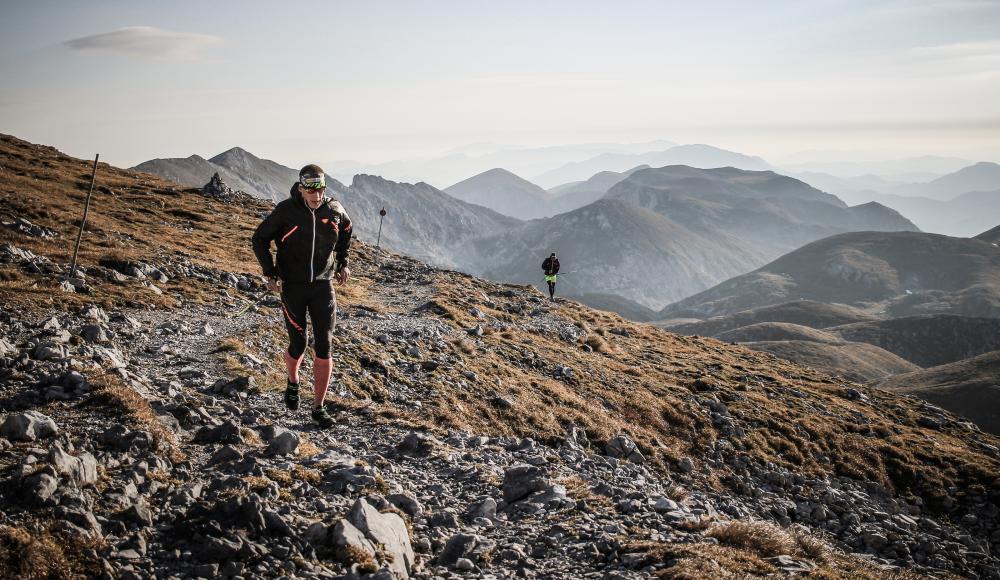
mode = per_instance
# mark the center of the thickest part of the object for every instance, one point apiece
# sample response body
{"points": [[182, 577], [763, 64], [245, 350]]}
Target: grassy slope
{"points": [[133, 215]]}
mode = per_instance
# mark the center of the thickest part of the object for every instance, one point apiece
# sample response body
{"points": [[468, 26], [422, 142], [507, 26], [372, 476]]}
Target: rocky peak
{"points": [[234, 153]]}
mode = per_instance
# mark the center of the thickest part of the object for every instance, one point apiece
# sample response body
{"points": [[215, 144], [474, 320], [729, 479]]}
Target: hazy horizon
{"points": [[328, 82]]}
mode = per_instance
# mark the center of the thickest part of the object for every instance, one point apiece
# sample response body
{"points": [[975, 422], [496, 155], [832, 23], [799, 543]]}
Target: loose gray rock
{"points": [[458, 546], [50, 351], [389, 530], [28, 426], [94, 333], [225, 454], [415, 442], [283, 443], [94, 312], [521, 480], [664, 504], [6, 348], [40, 487], [622, 447], [408, 503], [25, 227], [347, 535], [228, 432], [484, 508], [464, 565], [137, 513], [80, 470], [50, 323]]}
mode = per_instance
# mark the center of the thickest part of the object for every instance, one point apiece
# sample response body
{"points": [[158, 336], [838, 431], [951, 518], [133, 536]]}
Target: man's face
{"points": [[312, 196]]}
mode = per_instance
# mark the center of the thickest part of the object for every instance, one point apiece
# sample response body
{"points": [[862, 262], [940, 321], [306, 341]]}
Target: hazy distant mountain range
{"points": [[982, 176], [510, 194], [772, 212], [459, 164], [925, 340], [962, 203], [896, 273], [661, 233], [847, 165], [707, 224]]}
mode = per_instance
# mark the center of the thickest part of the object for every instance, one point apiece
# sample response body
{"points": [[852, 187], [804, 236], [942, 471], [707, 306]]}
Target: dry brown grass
{"points": [[162, 476], [763, 538], [350, 555], [357, 293], [251, 437], [45, 554], [464, 345], [297, 473], [810, 546], [307, 449], [257, 483], [677, 493], [708, 560], [269, 377], [578, 489], [111, 392], [598, 344], [743, 549], [231, 344]]}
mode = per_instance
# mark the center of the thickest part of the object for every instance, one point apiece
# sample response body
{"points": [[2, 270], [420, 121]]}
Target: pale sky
{"points": [[324, 81]]}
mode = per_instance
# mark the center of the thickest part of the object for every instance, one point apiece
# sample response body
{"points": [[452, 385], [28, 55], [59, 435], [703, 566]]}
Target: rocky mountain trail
{"points": [[203, 473]]}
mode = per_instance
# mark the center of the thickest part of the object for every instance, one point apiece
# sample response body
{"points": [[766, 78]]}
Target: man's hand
{"points": [[273, 285], [343, 275]]}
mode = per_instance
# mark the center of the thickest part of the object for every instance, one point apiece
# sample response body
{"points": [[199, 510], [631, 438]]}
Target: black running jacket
{"points": [[312, 243]]}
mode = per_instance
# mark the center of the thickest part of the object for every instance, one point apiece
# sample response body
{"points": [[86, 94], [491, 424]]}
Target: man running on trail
{"points": [[312, 234], [551, 267]]}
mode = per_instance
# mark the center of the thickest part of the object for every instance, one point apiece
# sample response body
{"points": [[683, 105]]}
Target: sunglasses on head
{"points": [[313, 182]]}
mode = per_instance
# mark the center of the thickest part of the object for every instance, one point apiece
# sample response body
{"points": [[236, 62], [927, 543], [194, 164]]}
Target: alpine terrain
{"points": [[482, 431]]}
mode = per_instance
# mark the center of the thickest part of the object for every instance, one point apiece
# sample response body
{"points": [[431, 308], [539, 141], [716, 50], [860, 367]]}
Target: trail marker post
{"points": [[83, 222], [378, 240]]}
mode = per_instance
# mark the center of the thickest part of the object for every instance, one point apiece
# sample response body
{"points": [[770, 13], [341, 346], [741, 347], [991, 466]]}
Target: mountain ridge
{"points": [[504, 192], [911, 272], [697, 155]]}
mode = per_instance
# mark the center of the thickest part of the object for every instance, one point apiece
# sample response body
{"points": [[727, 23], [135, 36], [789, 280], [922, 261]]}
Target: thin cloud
{"points": [[148, 42], [989, 50], [540, 81]]}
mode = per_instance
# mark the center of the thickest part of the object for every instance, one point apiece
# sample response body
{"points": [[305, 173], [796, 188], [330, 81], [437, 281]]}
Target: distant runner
{"points": [[551, 267], [312, 234]]}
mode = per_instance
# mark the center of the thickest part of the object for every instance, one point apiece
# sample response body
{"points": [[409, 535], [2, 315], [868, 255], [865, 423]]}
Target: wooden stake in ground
{"points": [[83, 222]]}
